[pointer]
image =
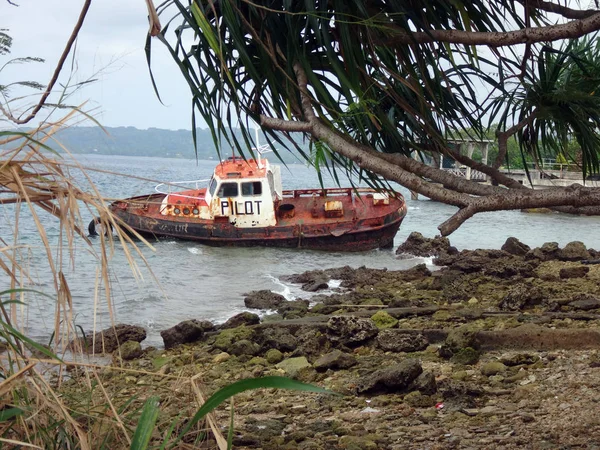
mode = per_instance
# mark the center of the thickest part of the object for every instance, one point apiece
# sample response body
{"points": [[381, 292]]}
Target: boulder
{"points": [[129, 350], [244, 347], [574, 272], [245, 318], [574, 251], [335, 360], [546, 252], [349, 330], [108, 340], [457, 339], [425, 383], [515, 247], [318, 284], [492, 368], [520, 296], [273, 356], [276, 337], [263, 299], [384, 320], [297, 308], [396, 378], [292, 366], [184, 332], [395, 340], [418, 245]]}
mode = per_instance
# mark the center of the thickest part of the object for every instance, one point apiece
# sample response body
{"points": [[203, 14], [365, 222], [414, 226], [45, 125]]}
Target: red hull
{"points": [[364, 225]]}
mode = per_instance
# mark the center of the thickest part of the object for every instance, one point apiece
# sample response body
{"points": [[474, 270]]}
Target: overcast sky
{"points": [[111, 48]]}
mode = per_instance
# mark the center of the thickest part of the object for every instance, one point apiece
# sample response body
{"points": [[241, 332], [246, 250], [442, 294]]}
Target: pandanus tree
{"points": [[374, 85]]}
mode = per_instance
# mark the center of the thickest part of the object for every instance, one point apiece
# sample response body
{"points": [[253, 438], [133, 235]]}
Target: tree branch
{"points": [[503, 137], [564, 11], [569, 30]]}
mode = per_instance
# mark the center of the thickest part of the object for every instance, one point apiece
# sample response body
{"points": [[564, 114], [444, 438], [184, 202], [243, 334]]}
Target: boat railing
{"points": [[197, 184], [326, 192]]}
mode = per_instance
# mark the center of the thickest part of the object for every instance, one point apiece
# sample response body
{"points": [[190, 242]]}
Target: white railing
{"points": [[181, 185]]}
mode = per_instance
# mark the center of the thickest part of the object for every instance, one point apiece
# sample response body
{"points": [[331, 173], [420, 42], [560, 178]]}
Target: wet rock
{"points": [[317, 284], [574, 251], [425, 383], [263, 299], [466, 356], [394, 340], [396, 378], [335, 360], [107, 341], [585, 304], [297, 308], [244, 347], [349, 330], [277, 338], [546, 252], [384, 320], [245, 318], [292, 366], [418, 245], [183, 333], [415, 273], [520, 296], [273, 356], [515, 247], [129, 350], [492, 368], [573, 272]]}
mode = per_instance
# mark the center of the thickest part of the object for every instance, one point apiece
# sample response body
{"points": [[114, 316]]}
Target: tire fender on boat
{"points": [[96, 224]]}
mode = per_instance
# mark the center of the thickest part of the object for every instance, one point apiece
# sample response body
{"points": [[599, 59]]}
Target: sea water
{"points": [[187, 280]]}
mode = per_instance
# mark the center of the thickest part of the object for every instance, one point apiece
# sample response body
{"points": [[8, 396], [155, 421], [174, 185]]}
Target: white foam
{"points": [[195, 250]]}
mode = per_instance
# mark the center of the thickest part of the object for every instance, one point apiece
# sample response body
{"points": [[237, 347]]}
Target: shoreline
{"points": [[497, 348]]}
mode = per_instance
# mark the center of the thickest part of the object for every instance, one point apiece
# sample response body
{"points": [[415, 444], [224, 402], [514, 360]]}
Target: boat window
{"points": [[213, 186], [251, 188], [228, 190]]}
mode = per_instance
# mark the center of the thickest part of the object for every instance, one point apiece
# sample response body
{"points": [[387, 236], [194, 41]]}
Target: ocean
{"points": [[187, 280]]}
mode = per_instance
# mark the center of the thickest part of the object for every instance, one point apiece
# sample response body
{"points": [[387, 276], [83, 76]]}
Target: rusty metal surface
{"points": [[365, 223]]}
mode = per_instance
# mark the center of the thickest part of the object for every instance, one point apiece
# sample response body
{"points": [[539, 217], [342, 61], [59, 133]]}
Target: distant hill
{"points": [[151, 142]]}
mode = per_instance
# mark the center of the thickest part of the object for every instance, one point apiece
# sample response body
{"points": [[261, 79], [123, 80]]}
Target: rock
{"points": [[384, 320], [244, 347], [317, 284], [546, 252], [425, 383], [394, 340], [396, 378], [466, 356], [335, 360], [574, 251], [348, 442], [418, 245], [221, 357], [129, 350], [492, 368], [274, 337], [292, 366], [311, 344], [183, 333], [263, 299], [519, 359], [351, 330], [515, 247], [574, 272], [107, 341], [297, 307], [273, 356], [418, 400], [245, 318], [585, 304], [458, 339], [226, 338], [521, 295]]}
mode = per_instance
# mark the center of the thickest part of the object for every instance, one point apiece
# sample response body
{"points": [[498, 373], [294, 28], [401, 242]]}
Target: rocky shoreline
{"points": [[493, 349]]}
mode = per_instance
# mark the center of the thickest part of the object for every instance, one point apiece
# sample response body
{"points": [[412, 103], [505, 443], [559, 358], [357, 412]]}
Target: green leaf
{"points": [[145, 427]]}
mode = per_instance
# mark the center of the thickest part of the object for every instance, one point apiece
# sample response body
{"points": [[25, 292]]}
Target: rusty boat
{"points": [[243, 204]]}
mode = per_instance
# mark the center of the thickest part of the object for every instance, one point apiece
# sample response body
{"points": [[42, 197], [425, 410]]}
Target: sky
{"points": [[110, 48]]}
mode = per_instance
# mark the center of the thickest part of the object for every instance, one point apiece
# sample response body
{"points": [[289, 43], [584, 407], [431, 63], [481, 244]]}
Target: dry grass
{"points": [[35, 411]]}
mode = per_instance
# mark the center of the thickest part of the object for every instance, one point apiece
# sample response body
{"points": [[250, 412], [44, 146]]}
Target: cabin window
{"points": [[251, 188], [213, 187], [228, 190]]}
